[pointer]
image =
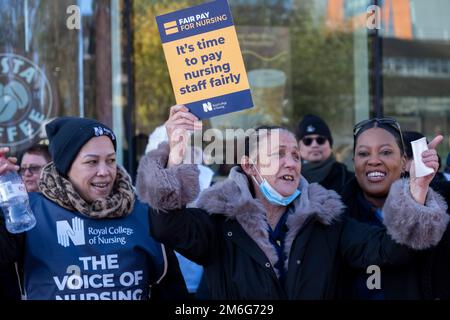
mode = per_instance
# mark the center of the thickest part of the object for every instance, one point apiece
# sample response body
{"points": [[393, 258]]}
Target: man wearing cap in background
{"points": [[318, 162]]}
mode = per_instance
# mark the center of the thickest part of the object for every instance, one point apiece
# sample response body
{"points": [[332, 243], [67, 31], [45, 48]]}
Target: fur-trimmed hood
{"points": [[410, 223], [232, 198], [407, 221]]}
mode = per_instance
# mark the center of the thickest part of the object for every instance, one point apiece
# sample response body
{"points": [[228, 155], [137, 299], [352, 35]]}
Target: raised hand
{"points": [[419, 185], [179, 125], [7, 164]]}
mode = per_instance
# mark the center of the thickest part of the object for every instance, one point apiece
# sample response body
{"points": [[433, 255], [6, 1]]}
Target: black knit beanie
{"points": [[67, 135], [409, 136], [312, 124]]}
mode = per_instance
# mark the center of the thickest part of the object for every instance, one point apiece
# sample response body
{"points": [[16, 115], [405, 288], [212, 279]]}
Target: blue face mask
{"points": [[272, 195]]}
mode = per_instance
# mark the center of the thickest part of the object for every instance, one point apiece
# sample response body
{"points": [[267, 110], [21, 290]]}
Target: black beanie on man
{"points": [[67, 135], [312, 124]]}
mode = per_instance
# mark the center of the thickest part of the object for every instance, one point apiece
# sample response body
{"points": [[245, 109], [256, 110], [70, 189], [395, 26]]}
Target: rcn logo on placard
{"points": [[207, 106], [74, 232]]}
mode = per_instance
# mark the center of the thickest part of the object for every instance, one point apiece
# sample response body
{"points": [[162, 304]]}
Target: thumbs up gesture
{"points": [[419, 185]]}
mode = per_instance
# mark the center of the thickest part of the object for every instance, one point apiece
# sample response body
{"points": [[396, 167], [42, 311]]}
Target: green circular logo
{"points": [[25, 99]]}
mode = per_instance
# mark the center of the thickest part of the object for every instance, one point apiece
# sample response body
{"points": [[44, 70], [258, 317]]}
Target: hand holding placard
{"points": [[419, 184], [179, 126], [418, 147]]}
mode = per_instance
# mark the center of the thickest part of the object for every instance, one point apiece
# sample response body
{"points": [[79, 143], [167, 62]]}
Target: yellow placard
{"points": [[206, 65]]}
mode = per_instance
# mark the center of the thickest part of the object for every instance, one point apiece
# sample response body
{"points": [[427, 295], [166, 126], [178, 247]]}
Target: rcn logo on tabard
{"points": [[67, 232], [25, 99]]}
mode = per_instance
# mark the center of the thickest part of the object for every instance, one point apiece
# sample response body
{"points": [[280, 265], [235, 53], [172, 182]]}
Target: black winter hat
{"points": [[312, 124], [409, 136], [67, 135]]}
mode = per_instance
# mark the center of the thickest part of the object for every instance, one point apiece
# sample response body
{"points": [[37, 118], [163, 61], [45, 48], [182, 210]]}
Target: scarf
{"points": [[60, 190], [318, 171]]}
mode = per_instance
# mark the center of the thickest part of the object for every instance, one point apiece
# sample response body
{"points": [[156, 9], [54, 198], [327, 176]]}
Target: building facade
{"points": [[345, 60]]}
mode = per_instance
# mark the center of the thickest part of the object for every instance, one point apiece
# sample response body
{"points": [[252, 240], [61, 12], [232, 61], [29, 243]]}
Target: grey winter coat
{"points": [[228, 234]]}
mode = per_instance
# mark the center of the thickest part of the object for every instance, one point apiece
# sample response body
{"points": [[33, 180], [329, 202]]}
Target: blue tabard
{"points": [[72, 257]]}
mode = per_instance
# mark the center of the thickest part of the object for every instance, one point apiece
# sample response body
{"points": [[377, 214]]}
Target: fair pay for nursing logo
{"points": [[186, 23]]}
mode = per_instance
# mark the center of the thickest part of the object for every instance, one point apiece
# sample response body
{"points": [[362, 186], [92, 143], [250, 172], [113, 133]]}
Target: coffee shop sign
{"points": [[25, 99]]}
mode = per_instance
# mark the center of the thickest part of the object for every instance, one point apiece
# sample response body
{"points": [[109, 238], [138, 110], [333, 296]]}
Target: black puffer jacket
{"points": [[435, 279], [229, 237], [9, 283], [11, 245], [396, 282], [10, 252]]}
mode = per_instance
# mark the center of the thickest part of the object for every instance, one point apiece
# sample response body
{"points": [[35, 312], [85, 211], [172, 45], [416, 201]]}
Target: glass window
{"points": [[152, 87], [419, 98], [55, 60], [301, 57]]}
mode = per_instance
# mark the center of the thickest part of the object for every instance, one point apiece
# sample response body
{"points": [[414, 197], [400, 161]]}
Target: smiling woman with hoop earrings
{"points": [[378, 196]]}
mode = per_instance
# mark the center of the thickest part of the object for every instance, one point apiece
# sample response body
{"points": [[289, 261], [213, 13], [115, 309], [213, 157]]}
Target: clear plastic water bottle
{"points": [[15, 203]]}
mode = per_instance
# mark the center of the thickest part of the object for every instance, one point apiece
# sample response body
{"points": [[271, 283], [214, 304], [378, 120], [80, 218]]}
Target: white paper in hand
{"points": [[418, 147]]}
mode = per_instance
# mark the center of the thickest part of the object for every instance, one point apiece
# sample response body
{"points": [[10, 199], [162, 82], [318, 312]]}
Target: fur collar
{"points": [[232, 198]]}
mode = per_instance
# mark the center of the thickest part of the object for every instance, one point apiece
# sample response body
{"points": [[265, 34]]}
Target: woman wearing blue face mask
{"points": [[265, 232], [269, 193]]}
